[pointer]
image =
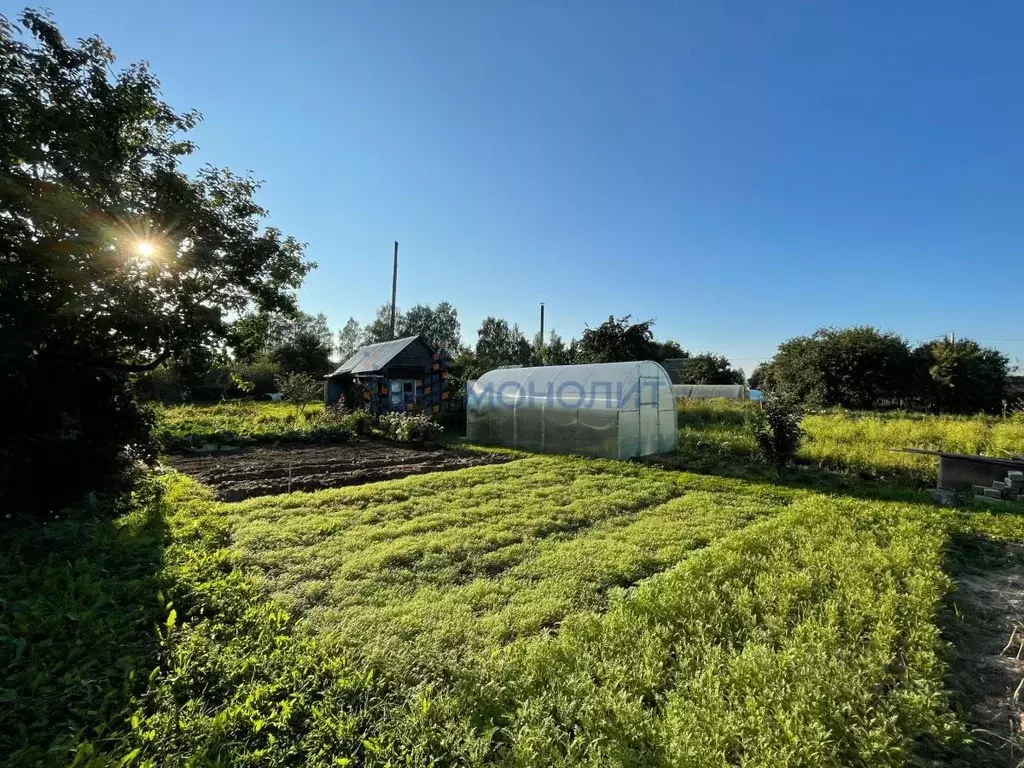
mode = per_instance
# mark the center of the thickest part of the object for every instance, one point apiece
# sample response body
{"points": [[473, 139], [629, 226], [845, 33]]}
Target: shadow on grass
{"points": [[978, 620], [800, 476], [79, 598]]}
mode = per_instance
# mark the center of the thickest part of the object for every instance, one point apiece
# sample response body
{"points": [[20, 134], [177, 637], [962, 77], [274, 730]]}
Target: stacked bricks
{"points": [[1011, 488]]}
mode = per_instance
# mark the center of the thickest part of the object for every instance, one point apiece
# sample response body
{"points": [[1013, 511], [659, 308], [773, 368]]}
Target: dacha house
{"points": [[400, 375]]}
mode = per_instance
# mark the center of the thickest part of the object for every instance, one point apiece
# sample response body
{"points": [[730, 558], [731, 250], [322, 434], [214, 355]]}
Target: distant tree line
{"points": [[859, 368], [865, 368], [499, 344]]}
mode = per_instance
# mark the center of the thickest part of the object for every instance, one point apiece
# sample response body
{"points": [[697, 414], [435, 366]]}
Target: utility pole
{"points": [[394, 290], [541, 326]]}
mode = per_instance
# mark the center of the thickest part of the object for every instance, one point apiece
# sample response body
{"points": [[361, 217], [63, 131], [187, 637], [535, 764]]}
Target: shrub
{"points": [[299, 388], [360, 423], [776, 429], [409, 428]]}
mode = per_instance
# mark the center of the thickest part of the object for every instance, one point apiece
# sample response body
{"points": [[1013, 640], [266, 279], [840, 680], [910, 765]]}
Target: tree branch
{"points": [[114, 365]]}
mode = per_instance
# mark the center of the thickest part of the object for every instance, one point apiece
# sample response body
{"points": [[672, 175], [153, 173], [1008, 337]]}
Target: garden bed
{"points": [[265, 471]]}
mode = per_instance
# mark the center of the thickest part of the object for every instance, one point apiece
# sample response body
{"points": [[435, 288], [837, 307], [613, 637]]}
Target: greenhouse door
{"points": [[648, 415]]}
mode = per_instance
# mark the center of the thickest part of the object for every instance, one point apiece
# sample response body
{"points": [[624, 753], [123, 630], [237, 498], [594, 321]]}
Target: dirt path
{"points": [[266, 471], [985, 624]]}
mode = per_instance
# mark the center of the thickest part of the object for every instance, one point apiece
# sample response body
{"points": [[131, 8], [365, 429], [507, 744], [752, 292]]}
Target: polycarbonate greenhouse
{"points": [[614, 410]]}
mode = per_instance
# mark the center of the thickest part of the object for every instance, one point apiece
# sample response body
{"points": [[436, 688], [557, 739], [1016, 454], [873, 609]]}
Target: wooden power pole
{"points": [[541, 326], [394, 290]]}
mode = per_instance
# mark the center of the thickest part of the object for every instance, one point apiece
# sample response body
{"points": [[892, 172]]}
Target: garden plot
{"points": [[269, 471]]}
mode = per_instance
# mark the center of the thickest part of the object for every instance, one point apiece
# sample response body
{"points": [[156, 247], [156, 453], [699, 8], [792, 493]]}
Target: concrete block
{"points": [[999, 485], [979, 490], [992, 493], [1015, 476], [989, 500]]}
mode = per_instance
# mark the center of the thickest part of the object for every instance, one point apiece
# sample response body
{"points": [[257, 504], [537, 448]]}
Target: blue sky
{"points": [[742, 172]]}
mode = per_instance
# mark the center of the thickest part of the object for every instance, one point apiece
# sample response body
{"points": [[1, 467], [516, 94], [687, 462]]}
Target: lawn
{"points": [[547, 611], [850, 441]]}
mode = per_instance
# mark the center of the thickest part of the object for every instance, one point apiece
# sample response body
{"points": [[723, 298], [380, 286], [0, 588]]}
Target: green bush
{"points": [[360, 422], [299, 388], [776, 429]]}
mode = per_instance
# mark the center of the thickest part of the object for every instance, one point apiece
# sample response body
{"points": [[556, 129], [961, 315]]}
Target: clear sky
{"points": [[740, 171]]}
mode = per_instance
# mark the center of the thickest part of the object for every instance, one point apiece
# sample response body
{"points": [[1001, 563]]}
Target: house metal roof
{"points": [[373, 357]]}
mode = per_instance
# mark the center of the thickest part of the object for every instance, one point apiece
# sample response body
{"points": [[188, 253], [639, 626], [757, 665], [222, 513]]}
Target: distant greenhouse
{"points": [[613, 410], [709, 391]]}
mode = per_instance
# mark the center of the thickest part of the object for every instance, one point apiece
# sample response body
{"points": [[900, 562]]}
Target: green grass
{"points": [[548, 611], [551, 611], [193, 426], [853, 441], [78, 599]]}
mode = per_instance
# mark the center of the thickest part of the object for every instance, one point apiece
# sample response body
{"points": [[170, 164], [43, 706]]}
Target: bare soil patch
{"points": [[267, 471], [985, 624]]}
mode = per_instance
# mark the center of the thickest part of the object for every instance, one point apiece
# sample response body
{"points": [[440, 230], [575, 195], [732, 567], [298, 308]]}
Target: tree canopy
{"points": [[498, 344], [439, 326], [858, 367], [864, 368], [962, 376], [617, 340], [709, 368], [114, 259]]}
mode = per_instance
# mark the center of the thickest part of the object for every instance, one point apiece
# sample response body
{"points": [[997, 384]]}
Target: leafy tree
{"points": [[379, 329], [296, 342], [303, 353], [112, 259], [248, 337], [859, 367], [439, 325], [557, 352], [617, 340], [708, 368], [349, 339], [761, 378], [666, 350], [299, 388], [498, 344], [796, 369], [962, 376]]}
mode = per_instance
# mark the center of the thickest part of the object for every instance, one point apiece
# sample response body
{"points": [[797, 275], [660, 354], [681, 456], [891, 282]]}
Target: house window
{"points": [[402, 391]]}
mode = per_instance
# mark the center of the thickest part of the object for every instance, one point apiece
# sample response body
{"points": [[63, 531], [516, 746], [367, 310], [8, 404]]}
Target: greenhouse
{"points": [[614, 410]]}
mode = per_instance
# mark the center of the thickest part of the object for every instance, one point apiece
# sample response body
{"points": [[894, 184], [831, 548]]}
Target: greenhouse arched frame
{"points": [[611, 410]]}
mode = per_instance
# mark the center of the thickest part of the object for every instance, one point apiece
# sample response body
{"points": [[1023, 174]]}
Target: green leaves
{"points": [[113, 259]]}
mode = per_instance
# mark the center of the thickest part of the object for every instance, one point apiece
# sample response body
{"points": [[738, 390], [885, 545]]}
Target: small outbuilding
{"points": [[401, 375], [710, 391], [613, 410]]}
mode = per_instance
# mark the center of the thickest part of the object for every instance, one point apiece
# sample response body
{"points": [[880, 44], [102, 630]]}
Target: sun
{"points": [[145, 249]]}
